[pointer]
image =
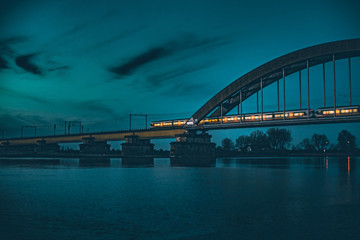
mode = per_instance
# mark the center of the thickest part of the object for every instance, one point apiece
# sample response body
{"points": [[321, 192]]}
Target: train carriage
{"points": [[268, 116], [340, 111], [294, 114]]}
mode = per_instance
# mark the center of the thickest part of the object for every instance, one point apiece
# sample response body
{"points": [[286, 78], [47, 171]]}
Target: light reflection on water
{"points": [[239, 198]]}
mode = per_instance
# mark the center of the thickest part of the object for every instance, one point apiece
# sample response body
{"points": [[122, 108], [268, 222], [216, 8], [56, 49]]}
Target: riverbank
{"points": [[284, 154], [165, 154]]}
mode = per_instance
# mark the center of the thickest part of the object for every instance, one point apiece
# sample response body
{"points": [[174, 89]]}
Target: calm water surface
{"points": [[252, 198]]}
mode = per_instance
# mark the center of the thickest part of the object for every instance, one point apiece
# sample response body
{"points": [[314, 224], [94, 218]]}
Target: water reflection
{"points": [[280, 196], [327, 162], [344, 165], [94, 162], [137, 162], [26, 162], [192, 162], [257, 162]]}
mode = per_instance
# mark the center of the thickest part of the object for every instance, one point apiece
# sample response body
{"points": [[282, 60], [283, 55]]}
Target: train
{"points": [[266, 116]]}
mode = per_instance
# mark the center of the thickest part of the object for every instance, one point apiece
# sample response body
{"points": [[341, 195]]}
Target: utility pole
{"points": [[130, 123], [71, 123]]}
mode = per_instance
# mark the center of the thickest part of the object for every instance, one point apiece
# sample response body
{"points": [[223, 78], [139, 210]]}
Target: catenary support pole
{"points": [[324, 92], [283, 93], [308, 87], [300, 89], [277, 84], [241, 105], [350, 81], [334, 73], [262, 109]]}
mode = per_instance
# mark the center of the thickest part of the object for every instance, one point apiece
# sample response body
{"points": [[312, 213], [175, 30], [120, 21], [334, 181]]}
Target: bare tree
{"points": [[319, 141], [258, 140], [306, 144], [227, 144], [243, 141], [346, 141], [278, 138]]}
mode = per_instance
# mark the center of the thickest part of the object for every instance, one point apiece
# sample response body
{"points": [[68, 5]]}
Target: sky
{"points": [[98, 61]]}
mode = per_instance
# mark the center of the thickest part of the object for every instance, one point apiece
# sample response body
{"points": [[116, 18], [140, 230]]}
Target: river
{"points": [[238, 198]]}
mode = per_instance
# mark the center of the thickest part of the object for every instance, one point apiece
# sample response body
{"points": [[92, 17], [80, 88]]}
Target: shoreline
{"points": [[222, 155]]}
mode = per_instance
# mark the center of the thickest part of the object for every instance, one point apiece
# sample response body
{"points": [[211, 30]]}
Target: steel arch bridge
{"points": [[256, 80], [233, 96]]}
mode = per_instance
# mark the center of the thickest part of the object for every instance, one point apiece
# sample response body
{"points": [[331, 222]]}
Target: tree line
{"points": [[276, 139], [320, 143]]}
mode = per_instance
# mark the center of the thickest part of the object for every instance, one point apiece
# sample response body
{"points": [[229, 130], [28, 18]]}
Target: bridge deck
{"points": [[101, 136], [164, 133], [287, 122]]}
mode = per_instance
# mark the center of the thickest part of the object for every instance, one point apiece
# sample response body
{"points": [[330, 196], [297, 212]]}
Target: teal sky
{"points": [[97, 61]]}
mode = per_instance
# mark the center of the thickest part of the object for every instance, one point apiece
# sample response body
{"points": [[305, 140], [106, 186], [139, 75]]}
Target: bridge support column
{"points": [[92, 146], [4, 147], [42, 146], [192, 149], [137, 151], [18, 149]]}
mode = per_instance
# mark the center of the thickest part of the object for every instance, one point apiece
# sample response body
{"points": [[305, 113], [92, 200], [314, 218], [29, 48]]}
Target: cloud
{"points": [[136, 62], [184, 89], [3, 63], [92, 106], [114, 38], [6, 49], [5, 91], [16, 120], [186, 43], [58, 68], [11, 123], [95, 105], [158, 80], [24, 62], [7, 43]]}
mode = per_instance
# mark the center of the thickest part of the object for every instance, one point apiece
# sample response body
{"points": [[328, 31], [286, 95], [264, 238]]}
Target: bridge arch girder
{"points": [[273, 71]]}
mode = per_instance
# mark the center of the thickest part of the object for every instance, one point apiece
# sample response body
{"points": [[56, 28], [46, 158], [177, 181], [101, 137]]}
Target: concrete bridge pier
{"points": [[192, 149], [42, 146], [39, 147], [137, 151], [4, 147], [92, 146]]}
